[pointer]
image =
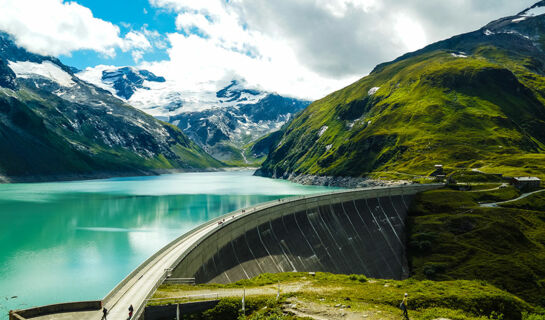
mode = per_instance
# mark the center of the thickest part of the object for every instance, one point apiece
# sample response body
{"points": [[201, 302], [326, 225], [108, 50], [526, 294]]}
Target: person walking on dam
{"points": [[131, 310], [403, 306], [104, 313]]}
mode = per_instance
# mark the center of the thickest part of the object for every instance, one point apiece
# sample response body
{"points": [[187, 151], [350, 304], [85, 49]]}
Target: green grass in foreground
{"points": [[428, 299]]}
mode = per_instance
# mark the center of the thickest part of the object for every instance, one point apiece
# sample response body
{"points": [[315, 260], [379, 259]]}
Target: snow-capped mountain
{"points": [[243, 116], [53, 124], [221, 121], [125, 81]]}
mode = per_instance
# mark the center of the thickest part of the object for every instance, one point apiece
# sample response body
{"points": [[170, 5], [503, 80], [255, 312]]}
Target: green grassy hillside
{"points": [[452, 237], [484, 108]]}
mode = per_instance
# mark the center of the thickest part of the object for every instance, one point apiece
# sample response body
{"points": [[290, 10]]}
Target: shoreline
{"points": [[332, 181], [107, 175]]}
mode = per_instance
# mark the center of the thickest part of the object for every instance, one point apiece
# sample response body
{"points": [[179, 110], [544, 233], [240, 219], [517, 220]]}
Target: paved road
{"points": [[524, 195], [136, 290]]}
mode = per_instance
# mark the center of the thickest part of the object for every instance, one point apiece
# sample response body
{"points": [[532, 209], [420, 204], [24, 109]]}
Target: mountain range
{"points": [[53, 125], [474, 101], [225, 122]]}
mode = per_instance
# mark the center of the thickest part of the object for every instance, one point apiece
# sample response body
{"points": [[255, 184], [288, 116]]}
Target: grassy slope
{"points": [[374, 299], [452, 237], [484, 111]]}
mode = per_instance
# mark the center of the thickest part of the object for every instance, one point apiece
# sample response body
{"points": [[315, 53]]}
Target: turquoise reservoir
{"points": [[69, 241]]}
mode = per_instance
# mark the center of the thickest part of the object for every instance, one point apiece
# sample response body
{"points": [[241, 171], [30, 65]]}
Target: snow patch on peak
{"points": [[517, 20], [488, 32], [94, 75], [373, 90], [46, 69]]}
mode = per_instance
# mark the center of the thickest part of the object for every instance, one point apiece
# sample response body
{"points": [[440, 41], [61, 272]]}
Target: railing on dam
{"points": [[349, 231]]}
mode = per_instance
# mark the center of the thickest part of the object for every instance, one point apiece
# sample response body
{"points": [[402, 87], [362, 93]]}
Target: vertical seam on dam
{"points": [[356, 235], [306, 240], [280, 245], [389, 221], [382, 233], [404, 203], [402, 221], [240, 264], [291, 253], [322, 243], [372, 243], [268, 252], [252, 252], [360, 231], [344, 260]]}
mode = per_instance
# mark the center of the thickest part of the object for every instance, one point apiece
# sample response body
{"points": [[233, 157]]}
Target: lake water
{"points": [[69, 241]]}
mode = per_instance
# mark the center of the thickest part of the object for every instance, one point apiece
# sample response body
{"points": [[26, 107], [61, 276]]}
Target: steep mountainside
{"points": [[475, 100], [242, 117], [224, 122], [54, 125]]}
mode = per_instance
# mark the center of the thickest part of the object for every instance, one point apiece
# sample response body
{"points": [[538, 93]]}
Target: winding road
{"points": [[522, 196]]}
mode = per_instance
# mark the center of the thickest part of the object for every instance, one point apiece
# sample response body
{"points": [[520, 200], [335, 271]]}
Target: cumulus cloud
{"points": [[135, 40], [56, 27], [301, 48], [348, 37], [307, 48], [214, 46]]}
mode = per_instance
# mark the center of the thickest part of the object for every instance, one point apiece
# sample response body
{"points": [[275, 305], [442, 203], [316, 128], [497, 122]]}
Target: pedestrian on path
{"points": [[131, 310], [104, 313], [403, 306]]}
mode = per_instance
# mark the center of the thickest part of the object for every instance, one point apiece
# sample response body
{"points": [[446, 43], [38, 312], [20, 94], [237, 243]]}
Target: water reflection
{"points": [[76, 240]]}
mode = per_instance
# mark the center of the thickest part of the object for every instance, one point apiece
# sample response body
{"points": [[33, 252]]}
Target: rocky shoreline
{"points": [[331, 181]]}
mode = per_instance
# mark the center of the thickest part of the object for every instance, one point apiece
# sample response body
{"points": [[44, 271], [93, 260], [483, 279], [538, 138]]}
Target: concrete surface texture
{"points": [[353, 231], [361, 232]]}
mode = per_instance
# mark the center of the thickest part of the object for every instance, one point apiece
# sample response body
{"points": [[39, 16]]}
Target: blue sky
{"points": [[127, 15]]}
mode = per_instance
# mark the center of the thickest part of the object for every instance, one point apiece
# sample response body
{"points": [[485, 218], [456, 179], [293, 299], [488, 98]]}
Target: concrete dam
{"points": [[357, 231]]}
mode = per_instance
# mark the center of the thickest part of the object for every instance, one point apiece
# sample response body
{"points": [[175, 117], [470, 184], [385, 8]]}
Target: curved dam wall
{"points": [[357, 231]]}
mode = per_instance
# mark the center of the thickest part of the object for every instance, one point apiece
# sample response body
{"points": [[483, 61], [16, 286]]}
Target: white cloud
{"points": [[223, 49], [348, 37], [308, 48], [57, 27], [137, 55], [135, 40]]}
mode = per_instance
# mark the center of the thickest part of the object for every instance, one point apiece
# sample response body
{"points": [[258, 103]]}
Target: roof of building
{"points": [[525, 179]]}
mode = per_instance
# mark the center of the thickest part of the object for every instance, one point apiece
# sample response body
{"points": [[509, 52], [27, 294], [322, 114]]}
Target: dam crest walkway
{"points": [[140, 284]]}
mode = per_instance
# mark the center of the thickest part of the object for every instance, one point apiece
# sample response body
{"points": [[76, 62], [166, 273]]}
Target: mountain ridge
{"points": [[54, 125], [224, 122], [473, 101]]}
